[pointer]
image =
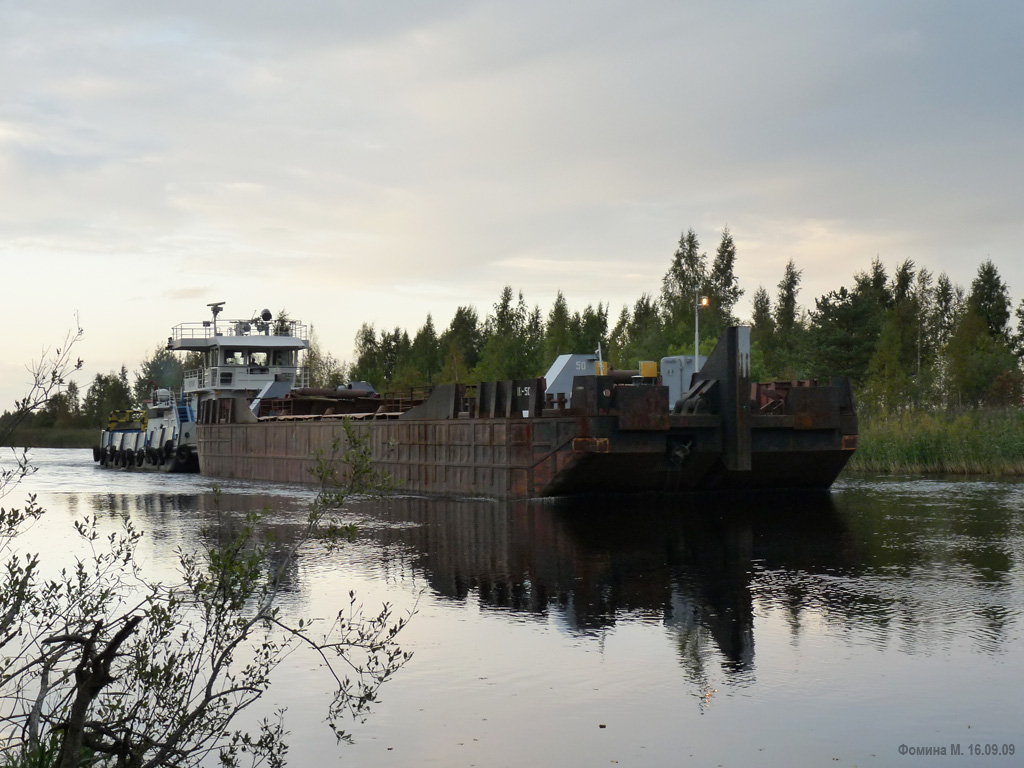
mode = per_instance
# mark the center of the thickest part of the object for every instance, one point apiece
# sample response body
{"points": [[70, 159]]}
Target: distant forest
{"points": [[908, 339]]}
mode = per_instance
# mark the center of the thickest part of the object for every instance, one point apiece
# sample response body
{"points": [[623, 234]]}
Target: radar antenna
{"points": [[215, 307]]}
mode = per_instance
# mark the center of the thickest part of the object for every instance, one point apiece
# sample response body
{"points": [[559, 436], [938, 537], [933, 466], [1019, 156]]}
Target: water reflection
{"points": [[181, 521], [594, 563], [883, 613], [703, 567]]}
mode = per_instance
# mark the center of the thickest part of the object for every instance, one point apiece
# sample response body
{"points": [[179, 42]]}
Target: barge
{"points": [[514, 439], [247, 412]]}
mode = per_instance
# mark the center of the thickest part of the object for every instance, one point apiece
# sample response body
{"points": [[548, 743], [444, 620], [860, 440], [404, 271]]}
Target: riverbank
{"points": [[54, 438], [976, 442]]}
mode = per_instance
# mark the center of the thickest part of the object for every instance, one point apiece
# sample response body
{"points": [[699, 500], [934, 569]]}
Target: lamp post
{"points": [[698, 302]]}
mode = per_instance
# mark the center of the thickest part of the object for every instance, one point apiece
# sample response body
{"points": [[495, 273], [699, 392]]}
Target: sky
{"points": [[355, 162]]}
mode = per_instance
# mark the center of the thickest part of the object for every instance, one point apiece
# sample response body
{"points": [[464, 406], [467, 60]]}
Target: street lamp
{"points": [[698, 302]]}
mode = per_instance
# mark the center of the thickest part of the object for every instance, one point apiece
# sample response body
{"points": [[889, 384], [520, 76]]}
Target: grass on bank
{"points": [[976, 442], [54, 437]]}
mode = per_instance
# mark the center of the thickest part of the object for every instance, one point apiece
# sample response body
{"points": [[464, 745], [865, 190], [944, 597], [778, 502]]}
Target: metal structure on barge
{"points": [[514, 439]]}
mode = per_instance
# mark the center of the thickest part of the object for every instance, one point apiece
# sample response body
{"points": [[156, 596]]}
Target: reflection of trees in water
{"points": [[923, 568], [687, 564], [927, 562], [186, 520], [912, 569]]}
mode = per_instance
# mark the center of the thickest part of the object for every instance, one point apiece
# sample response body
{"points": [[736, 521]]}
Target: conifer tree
{"points": [[762, 331], [990, 298], [723, 286], [687, 274], [559, 337], [786, 315], [461, 344], [424, 358], [591, 327]]}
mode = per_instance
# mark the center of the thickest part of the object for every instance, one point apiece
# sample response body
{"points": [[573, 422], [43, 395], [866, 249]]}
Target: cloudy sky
{"points": [[372, 162]]}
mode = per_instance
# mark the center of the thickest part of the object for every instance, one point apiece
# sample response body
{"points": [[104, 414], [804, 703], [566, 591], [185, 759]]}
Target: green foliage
{"points": [[947, 310], [559, 338], [897, 375], [686, 274], [566, 333], [108, 392], [425, 356], [840, 339], [973, 442], [638, 335], [976, 360], [325, 370], [162, 369], [102, 667], [1018, 339], [762, 321], [786, 315], [40, 755], [36, 436], [904, 341], [990, 300], [514, 346], [460, 345], [369, 364], [723, 288], [380, 361], [590, 329]]}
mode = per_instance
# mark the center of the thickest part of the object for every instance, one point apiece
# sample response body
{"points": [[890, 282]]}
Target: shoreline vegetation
{"points": [[983, 441], [53, 437]]}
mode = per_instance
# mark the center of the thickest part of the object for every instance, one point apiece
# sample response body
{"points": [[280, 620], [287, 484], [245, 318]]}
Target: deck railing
{"points": [[242, 328], [247, 377]]}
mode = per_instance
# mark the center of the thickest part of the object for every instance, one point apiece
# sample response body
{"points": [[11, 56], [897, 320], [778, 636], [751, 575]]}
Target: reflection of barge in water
{"points": [[507, 440]]}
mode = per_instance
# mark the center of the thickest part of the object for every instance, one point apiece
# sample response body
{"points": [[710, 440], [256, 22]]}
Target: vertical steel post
{"points": [[696, 328]]}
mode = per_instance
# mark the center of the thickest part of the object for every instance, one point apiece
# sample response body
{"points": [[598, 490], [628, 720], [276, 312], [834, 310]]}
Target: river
{"points": [[879, 624]]}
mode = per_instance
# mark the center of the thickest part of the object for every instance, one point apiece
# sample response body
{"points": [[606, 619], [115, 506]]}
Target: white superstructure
{"points": [[238, 359]]}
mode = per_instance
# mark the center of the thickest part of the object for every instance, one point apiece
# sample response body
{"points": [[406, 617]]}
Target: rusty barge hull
{"points": [[506, 440], [526, 458]]}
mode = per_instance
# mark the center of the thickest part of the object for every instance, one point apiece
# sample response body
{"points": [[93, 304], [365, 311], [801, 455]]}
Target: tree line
{"points": [[905, 339], [116, 390]]}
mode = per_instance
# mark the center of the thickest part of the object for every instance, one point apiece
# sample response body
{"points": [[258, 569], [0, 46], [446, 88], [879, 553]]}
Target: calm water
{"points": [[766, 630]]}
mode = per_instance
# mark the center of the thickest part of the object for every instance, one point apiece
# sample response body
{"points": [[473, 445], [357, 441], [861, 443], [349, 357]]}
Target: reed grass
{"points": [[976, 442], [54, 437]]}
